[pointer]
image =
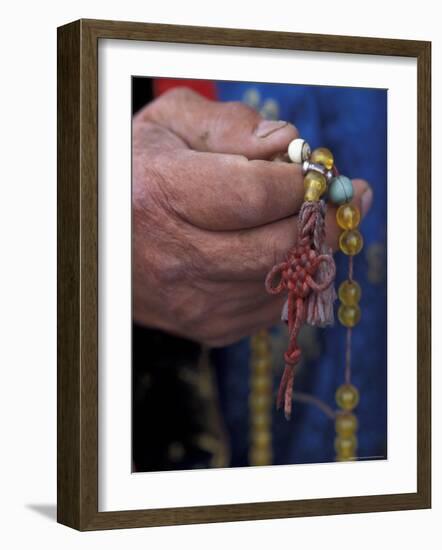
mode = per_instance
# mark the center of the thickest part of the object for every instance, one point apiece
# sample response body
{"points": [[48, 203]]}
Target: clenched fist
{"points": [[212, 214]]}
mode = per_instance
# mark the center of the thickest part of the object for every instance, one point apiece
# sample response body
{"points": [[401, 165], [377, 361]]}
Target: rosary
{"points": [[307, 276]]}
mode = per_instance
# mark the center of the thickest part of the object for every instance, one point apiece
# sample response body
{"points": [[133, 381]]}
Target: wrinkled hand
{"points": [[211, 216]]}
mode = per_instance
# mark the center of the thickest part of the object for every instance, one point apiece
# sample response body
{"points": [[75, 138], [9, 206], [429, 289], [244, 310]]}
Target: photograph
{"points": [[217, 291], [243, 274], [259, 274]]}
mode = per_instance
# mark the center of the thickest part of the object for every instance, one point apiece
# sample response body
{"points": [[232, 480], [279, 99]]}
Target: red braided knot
{"points": [[296, 275]]}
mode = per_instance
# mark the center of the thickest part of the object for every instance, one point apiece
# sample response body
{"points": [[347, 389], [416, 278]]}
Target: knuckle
{"points": [[187, 306], [171, 272], [178, 94], [165, 264], [210, 259], [167, 103], [239, 109], [192, 315]]}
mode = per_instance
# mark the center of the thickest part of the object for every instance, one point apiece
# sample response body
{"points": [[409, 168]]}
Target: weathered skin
{"points": [[212, 215]]}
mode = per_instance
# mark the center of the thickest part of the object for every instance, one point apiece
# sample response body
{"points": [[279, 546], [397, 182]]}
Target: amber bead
{"points": [[261, 439], [315, 185], [348, 216], [347, 397], [260, 384], [259, 345], [345, 448], [260, 403], [260, 457], [344, 458], [351, 242], [323, 156], [261, 421], [349, 293], [262, 365], [346, 424], [349, 316]]}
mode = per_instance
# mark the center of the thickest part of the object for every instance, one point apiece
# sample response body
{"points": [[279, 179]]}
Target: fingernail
{"points": [[267, 127], [366, 200]]}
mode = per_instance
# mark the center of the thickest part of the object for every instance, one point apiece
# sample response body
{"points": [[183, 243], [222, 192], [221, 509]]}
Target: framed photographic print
{"points": [[243, 274]]}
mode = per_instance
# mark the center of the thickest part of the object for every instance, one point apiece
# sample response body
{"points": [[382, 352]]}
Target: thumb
{"points": [[218, 127]]}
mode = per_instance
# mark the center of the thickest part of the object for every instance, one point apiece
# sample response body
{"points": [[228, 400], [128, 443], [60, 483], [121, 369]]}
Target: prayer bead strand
{"points": [[307, 275], [320, 177], [349, 314], [340, 191], [260, 400]]}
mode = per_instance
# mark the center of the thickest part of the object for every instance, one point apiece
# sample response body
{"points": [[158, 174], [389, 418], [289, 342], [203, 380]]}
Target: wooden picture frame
{"points": [[78, 274]]}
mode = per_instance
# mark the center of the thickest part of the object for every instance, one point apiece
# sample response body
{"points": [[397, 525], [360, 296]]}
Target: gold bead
{"points": [[262, 365], [261, 439], [351, 242], [347, 397], [260, 457], [346, 424], [323, 156], [349, 316], [348, 216], [349, 293], [345, 447], [315, 185], [345, 444], [260, 384], [259, 345], [260, 403], [261, 421], [311, 195]]}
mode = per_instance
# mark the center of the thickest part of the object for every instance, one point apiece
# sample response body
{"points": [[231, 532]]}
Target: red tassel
{"points": [[307, 275]]}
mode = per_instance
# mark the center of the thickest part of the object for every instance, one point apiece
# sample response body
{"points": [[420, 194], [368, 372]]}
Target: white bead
{"points": [[299, 150]]}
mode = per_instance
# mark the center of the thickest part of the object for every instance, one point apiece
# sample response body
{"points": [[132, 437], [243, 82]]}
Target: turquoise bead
{"points": [[340, 190]]}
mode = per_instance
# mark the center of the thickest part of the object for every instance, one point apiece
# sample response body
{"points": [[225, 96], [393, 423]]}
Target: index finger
{"points": [[224, 192]]}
